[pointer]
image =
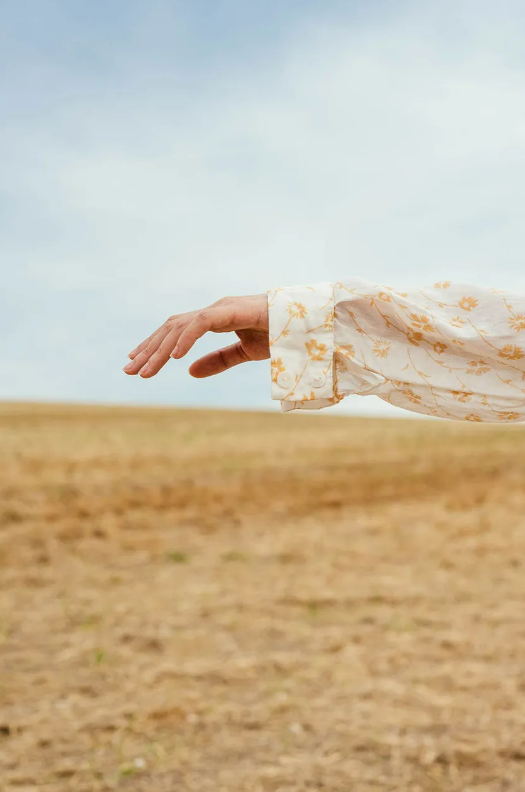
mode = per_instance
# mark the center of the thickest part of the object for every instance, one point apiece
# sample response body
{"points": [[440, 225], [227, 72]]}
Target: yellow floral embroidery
{"points": [[439, 348], [315, 350], [329, 320], [381, 348], [442, 285], [414, 337], [422, 322], [413, 397], [517, 322], [473, 417], [384, 296], [467, 303], [457, 321], [347, 349], [511, 352], [297, 310], [277, 368], [462, 396], [477, 367], [340, 365], [509, 416]]}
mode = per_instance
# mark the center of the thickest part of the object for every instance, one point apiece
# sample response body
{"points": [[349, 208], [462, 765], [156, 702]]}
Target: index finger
{"points": [[164, 326], [144, 344], [220, 318]]}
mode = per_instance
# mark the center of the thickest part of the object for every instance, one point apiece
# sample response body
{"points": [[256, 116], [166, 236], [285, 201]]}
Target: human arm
{"points": [[450, 351]]}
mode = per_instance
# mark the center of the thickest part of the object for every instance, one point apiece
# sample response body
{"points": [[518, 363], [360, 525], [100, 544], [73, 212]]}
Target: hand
{"points": [[245, 316]]}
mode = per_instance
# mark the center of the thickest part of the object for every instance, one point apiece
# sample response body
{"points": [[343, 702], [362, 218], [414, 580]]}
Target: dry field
{"points": [[236, 602]]}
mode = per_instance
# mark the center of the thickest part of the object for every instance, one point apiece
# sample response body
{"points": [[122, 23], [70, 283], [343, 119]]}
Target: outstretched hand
{"points": [[245, 316]]}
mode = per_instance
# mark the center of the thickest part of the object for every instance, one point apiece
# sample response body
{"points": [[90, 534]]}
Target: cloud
{"points": [[387, 146]]}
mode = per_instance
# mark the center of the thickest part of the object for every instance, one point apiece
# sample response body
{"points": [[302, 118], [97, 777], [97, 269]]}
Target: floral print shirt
{"points": [[449, 350]]}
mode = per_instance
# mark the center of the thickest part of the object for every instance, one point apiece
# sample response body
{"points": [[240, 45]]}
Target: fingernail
{"points": [[175, 353], [144, 370], [128, 366]]}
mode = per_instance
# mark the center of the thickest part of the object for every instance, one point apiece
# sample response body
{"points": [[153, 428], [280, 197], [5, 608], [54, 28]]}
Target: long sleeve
{"points": [[450, 350]]}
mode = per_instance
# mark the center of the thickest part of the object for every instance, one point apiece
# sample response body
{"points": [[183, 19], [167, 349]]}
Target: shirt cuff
{"points": [[301, 321]]}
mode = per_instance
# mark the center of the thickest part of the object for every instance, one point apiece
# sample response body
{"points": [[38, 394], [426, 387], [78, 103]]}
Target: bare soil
{"points": [[244, 602]]}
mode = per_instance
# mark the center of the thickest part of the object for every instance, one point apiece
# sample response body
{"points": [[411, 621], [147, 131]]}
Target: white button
{"points": [[284, 380], [318, 381]]}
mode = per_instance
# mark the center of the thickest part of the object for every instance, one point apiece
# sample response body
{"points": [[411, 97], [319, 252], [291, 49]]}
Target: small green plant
{"points": [[99, 656], [402, 624], [89, 622], [233, 555], [177, 557], [127, 770], [313, 607]]}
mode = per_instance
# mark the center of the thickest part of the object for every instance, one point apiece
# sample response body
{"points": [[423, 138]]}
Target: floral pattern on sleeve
{"points": [[301, 345], [450, 350]]}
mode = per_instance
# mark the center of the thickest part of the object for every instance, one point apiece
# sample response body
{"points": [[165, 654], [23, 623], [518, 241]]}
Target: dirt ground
{"points": [[236, 602]]}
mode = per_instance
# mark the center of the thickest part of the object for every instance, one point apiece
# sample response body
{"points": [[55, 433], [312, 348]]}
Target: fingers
{"points": [[148, 349], [168, 324], [145, 343], [220, 318], [164, 350], [219, 361], [141, 346], [178, 334]]}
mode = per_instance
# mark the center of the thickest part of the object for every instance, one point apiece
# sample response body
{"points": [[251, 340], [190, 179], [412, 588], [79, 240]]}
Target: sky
{"points": [[156, 155]]}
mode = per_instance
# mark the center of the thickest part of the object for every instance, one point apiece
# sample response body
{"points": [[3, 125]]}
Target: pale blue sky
{"points": [[156, 155]]}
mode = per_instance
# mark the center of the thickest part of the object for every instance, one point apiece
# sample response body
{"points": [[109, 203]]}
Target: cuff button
{"points": [[284, 380], [318, 381]]}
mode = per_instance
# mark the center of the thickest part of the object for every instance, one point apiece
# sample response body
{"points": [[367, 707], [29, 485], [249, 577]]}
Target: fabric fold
{"points": [[449, 350]]}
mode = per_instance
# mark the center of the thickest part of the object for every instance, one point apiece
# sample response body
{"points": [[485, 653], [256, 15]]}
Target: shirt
{"points": [[449, 350]]}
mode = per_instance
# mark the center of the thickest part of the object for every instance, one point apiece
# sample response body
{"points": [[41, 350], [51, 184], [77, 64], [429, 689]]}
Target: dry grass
{"points": [[259, 603]]}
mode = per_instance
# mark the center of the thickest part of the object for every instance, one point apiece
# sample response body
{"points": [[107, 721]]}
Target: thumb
{"points": [[218, 361]]}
